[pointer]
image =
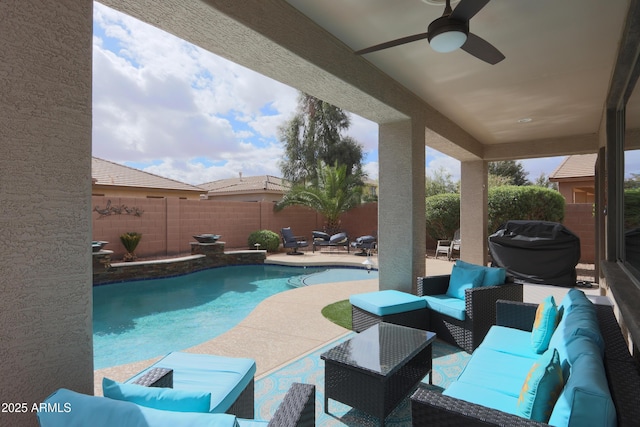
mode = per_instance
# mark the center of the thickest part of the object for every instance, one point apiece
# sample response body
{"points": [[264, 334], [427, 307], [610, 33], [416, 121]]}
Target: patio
{"points": [[267, 334]]}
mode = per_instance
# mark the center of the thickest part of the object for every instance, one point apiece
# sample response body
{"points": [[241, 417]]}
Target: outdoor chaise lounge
{"points": [[229, 380], [366, 244], [460, 308], [321, 239], [296, 410], [598, 377], [292, 242]]}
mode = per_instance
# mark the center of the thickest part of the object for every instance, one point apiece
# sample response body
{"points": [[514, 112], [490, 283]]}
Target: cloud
{"points": [[161, 101]]}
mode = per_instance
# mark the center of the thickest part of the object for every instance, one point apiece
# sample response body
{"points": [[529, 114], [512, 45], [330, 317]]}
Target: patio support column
{"points": [[401, 204], [473, 211], [45, 214]]}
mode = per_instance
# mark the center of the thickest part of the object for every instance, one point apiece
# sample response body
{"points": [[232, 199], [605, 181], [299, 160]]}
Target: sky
{"points": [[170, 108]]}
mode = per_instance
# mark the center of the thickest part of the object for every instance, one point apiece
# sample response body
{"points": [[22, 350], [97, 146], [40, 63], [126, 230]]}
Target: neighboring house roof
{"points": [[247, 184], [576, 166], [105, 172]]}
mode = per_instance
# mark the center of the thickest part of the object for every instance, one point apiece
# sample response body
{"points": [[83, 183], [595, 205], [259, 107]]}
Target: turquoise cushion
{"points": [[574, 298], [382, 303], [496, 370], [493, 276], [570, 350], [449, 306], [463, 278], [579, 320], [167, 399], [224, 377], [509, 340], [482, 396], [585, 399], [541, 388], [94, 411], [544, 324]]}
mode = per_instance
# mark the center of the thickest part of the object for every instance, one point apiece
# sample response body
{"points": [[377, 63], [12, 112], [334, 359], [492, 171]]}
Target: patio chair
{"points": [[443, 247], [293, 242], [455, 244], [366, 244]]}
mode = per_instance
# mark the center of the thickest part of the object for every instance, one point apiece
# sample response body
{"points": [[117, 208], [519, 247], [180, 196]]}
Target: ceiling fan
{"points": [[450, 32]]}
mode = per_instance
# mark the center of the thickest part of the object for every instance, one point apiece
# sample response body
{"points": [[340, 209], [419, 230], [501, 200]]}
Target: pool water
{"points": [[142, 319]]}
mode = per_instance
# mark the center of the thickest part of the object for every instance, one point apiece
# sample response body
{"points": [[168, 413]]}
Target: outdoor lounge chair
{"points": [[293, 242], [296, 410], [366, 244], [323, 239]]}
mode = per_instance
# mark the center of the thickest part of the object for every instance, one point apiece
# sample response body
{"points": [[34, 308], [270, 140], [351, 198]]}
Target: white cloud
{"points": [[157, 99]]}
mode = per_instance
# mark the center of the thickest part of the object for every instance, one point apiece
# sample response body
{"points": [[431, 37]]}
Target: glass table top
{"points": [[381, 348]]}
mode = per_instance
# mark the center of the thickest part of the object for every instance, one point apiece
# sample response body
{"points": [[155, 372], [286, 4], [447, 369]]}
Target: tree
{"points": [[439, 181], [315, 135], [510, 169], [543, 181], [331, 194]]}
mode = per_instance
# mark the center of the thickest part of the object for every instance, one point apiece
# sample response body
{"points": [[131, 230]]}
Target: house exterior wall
{"points": [[168, 225], [120, 191], [246, 197], [46, 339], [577, 191]]}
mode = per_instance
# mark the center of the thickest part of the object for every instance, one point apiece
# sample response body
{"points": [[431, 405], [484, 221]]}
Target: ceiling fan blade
{"points": [[467, 9], [482, 49], [393, 43]]}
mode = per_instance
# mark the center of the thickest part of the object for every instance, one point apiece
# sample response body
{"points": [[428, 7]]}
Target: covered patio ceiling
{"points": [[546, 98]]}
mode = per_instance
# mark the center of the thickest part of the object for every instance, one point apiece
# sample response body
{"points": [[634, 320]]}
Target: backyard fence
{"points": [[168, 225]]}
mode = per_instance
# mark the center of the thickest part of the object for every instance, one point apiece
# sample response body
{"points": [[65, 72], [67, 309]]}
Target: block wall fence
{"points": [[168, 225]]}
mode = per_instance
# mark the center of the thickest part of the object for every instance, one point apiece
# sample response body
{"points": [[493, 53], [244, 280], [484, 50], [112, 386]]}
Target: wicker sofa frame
{"points": [[430, 407], [480, 307], [362, 319]]}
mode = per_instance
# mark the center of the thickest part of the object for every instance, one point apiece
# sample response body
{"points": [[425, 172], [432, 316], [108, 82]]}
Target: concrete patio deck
{"points": [[289, 325]]}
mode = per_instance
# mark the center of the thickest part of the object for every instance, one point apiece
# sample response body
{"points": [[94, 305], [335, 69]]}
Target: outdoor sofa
{"points": [[459, 308], [592, 379]]}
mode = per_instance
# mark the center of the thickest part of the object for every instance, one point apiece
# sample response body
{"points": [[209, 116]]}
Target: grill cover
{"points": [[536, 252]]}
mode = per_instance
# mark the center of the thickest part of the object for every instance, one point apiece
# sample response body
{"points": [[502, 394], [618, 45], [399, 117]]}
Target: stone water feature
{"points": [[203, 256]]}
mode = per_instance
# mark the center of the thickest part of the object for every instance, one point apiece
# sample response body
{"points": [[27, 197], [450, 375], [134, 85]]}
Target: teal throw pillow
{"points": [[168, 399], [463, 278], [541, 388], [493, 276], [544, 324]]}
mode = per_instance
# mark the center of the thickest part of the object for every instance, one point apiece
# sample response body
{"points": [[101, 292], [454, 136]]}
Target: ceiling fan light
{"points": [[448, 41]]}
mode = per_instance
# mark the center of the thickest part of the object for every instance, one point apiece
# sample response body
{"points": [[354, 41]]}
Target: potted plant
{"points": [[130, 241]]}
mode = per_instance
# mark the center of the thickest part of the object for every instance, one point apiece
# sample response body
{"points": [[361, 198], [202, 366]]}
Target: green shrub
{"points": [[130, 242], [442, 215], [267, 239], [523, 203]]}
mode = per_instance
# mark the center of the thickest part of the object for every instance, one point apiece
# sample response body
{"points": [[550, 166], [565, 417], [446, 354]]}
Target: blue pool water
{"points": [[142, 319]]}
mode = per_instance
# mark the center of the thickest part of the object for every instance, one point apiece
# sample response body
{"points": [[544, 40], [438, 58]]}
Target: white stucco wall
{"points": [[45, 189]]}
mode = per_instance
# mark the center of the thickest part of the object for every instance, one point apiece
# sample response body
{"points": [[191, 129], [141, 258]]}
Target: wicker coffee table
{"points": [[377, 368]]}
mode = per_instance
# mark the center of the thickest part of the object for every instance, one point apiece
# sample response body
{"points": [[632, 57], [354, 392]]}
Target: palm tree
{"points": [[334, 193]]}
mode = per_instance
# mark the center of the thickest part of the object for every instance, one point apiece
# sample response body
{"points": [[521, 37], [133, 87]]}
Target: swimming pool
{"points": [[138, 320]]}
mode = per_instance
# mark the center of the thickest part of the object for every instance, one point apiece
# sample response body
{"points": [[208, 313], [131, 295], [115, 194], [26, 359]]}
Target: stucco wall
{"points": [[168, 225], [45, 187]]}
